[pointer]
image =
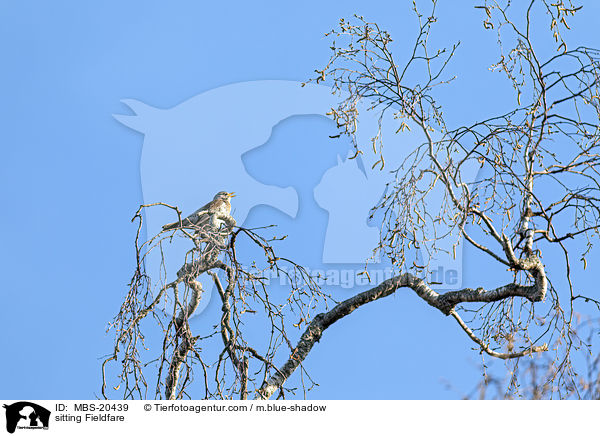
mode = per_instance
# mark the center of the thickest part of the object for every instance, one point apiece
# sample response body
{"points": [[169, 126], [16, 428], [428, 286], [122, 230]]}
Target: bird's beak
{"points": [[231, 194]]}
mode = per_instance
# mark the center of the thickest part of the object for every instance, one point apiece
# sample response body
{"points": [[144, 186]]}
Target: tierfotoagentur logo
{"points": [[26, 415], [202, 145], [348, 278]]}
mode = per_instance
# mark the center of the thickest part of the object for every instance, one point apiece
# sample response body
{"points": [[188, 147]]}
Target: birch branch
{"points": [[443, 302]]}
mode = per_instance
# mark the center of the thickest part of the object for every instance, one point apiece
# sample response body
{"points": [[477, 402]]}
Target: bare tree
{"points": [[538, 194], [237, 368], [540, 162], [528, 378]]}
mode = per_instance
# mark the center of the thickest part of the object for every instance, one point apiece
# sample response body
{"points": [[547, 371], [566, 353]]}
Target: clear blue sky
{"points": [[70, 175]]}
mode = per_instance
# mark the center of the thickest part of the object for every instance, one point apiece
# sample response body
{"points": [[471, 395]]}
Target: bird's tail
{"points": [[170, 226]]}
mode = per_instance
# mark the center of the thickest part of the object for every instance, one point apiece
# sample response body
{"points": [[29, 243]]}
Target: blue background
{"points": [[70, 182]]}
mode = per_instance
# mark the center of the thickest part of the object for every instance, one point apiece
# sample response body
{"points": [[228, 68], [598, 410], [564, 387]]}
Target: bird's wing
{"points": [[198, 218]]}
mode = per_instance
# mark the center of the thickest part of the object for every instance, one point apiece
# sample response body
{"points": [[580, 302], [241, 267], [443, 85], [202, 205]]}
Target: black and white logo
{"points": [[26, 415]]}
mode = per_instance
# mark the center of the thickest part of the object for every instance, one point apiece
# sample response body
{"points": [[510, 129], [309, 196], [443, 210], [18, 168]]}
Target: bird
{"points": [[219, 205]]}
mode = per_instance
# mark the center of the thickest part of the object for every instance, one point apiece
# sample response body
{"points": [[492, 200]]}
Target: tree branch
{"points": [[443, 302]]}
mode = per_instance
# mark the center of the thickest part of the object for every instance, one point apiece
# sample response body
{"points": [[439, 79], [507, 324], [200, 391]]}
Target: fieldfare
{"points": [[219, 205]]}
